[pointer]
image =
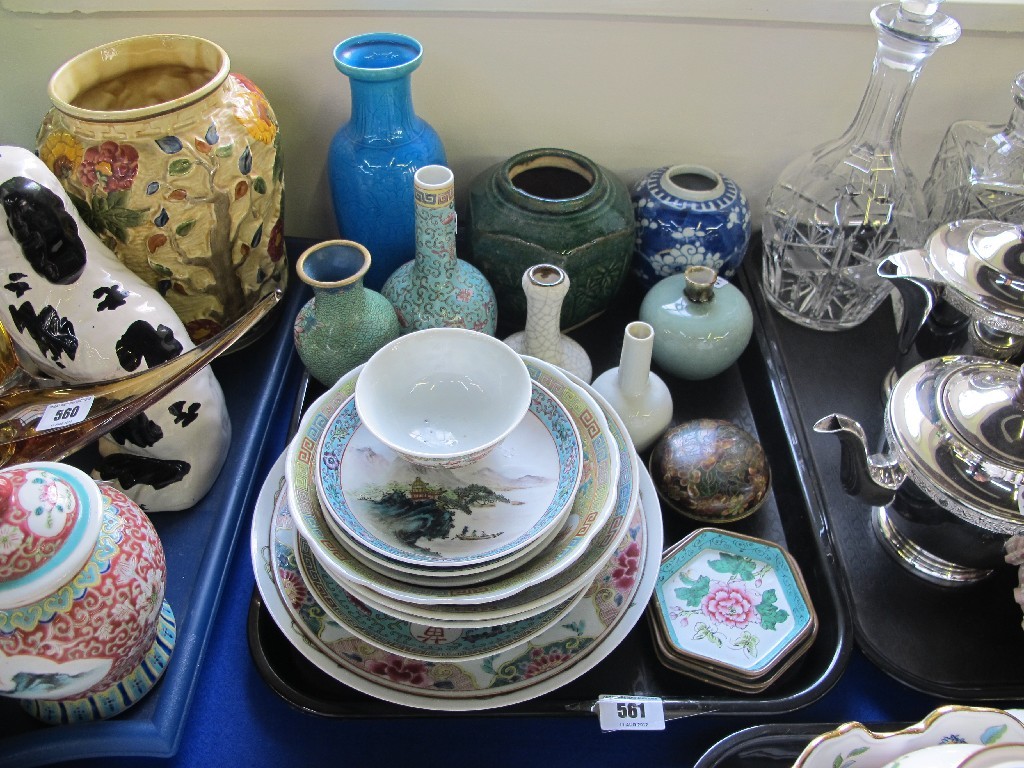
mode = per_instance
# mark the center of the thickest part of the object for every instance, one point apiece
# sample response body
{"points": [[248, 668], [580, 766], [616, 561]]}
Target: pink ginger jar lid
{"points": [[50, 517]]}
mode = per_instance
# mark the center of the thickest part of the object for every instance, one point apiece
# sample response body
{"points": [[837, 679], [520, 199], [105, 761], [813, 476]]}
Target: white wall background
{"points": [[632, 90]]}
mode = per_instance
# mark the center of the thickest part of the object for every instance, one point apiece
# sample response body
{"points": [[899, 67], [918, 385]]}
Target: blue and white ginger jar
{"points": [[688, 215]]}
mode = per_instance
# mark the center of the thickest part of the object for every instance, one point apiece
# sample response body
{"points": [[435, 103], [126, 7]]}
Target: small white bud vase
{"points": [[640, 397], [546, 286], [702, 323], [84, 628]]}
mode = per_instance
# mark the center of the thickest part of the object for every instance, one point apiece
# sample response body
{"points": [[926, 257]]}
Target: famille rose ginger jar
{"points": [[84, 628], [174, 161]]}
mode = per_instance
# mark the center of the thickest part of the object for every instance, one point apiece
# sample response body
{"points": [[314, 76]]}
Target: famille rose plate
{"points": [[437, 517], [608, 611], [603, 502], [731, 601], [414, 639]]}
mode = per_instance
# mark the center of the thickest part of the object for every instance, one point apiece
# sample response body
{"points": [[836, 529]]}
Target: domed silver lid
{"points": [[957, 427], [981, 264]]}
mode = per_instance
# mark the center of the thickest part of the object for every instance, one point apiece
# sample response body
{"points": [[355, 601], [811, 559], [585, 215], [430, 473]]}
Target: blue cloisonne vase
{"points": [[688, 215], [373, 156], [437, 289]]}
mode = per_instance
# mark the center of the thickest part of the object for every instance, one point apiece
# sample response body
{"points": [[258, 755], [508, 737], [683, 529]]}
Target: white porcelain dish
{"points": [[855, 745], [434, 517], [601, 508]]}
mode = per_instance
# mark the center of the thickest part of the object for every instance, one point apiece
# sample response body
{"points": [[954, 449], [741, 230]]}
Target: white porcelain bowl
{"points": [[443, 397]]}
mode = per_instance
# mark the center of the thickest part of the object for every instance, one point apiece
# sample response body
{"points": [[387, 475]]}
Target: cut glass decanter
{"points": [[836, 212]]}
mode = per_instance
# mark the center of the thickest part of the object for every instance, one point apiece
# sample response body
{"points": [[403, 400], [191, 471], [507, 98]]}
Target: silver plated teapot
{"points": [[963, 294], [946, 489]]}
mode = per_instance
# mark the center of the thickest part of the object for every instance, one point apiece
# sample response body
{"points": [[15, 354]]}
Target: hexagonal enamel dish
{"points": [[730, 609]]}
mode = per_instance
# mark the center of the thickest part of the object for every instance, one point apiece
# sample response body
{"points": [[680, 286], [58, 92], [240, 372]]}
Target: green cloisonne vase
{"points": [[344, 323], [552, 206], [437, 289]]}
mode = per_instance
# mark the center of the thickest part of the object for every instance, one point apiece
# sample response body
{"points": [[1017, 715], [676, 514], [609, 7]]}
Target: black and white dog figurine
{"points": [[77, 314]]}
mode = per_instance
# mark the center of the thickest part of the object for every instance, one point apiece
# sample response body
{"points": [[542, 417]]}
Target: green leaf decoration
{"points": [[224, 150], [838, 762], [179, 167], [771, 615], [259, 184], [742, 567], [184, 228], [695, 592], [110, 214], [993, 734], [858, 751]]}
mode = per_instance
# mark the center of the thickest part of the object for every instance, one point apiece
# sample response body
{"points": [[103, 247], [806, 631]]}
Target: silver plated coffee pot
{"points": [[963, 294]]}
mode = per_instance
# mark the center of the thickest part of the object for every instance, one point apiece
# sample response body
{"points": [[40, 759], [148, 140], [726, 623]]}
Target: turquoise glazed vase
{"points": [[437, 289], [373, 157], [701, 322], [344, 323], [551, 206], [688, 215]]}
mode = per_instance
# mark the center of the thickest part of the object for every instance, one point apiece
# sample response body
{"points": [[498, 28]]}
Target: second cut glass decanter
{"points": [[836, 212], [978, 171]]}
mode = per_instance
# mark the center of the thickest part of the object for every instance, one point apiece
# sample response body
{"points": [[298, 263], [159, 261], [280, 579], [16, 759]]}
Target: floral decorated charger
{"points": [[440, 517], [732, 604]]}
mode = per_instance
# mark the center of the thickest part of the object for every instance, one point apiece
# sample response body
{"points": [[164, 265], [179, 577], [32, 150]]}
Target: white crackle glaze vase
{"points": [[546, 286]]}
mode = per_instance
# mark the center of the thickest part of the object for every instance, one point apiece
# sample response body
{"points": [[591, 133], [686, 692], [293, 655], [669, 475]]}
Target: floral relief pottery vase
{"points": [[174, 161], [344, 323], [373, 157], [552, 206], [640, 397], [688, 215], [702, 323], [437, 289], [85, 631], [545, 287]]}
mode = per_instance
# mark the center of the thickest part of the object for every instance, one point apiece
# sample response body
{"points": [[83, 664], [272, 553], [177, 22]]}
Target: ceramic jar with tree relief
{"points": [[174, 161], [85, 631]]}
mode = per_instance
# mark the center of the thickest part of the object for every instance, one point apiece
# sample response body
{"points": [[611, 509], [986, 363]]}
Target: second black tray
{"points": [[789, 517], [958, 643]]}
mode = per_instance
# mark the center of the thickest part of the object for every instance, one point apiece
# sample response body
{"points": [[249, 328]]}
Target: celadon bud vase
{"points": [[640, 397], [546, 287], [702, 323], [344, 323], [437, 289]]}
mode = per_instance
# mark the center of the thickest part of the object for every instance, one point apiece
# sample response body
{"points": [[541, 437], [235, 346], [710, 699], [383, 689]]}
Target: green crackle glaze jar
{"points": [[551, 206], [344, 323]]}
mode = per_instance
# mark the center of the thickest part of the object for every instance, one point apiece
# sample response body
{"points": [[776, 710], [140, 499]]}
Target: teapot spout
{"points": [[911, 274], [872, 478]]}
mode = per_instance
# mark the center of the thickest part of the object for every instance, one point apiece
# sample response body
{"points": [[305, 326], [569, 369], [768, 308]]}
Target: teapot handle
{"points": [[909, 272]]}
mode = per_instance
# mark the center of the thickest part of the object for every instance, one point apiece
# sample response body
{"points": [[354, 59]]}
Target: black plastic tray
{"points": [[961, 643], [198, 543], [768, 746], [788, 517]]}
